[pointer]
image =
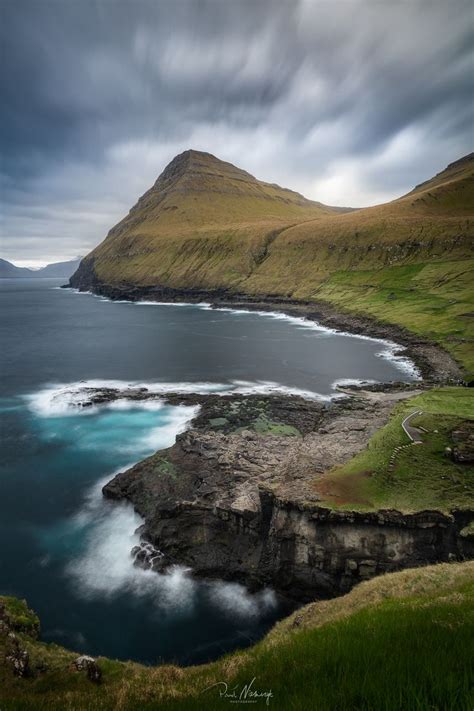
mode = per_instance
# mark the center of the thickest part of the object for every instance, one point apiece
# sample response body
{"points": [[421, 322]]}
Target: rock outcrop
{"points": [[237, 498], [463, 443], [90, 666]]}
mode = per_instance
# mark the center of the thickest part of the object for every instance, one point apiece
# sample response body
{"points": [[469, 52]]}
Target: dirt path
{"points": [[413, 433]]}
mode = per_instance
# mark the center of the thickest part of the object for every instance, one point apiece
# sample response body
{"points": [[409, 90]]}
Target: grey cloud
{"points": [[98, 94]]}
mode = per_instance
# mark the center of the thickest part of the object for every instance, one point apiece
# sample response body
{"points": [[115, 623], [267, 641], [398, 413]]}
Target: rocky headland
{"points": [[240, 495]]}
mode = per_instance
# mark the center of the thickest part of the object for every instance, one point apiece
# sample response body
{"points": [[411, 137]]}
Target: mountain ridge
{"points": [[192, 162], [59, 270], [206, 225], [197, 190], [194, 175]]}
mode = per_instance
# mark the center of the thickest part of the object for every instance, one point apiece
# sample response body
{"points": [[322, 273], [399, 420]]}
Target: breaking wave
{"points": [[72, 398], [96, 542], [104, 567]]}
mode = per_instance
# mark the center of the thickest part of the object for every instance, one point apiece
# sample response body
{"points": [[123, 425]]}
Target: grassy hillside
{"points": [[206, 224], [202, 214], [422, 477], [433, 299], [409, 262], [328, 656]]}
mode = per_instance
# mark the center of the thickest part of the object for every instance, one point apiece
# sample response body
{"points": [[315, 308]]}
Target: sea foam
{"points": [[99, 537], [62, 399], [104, 567]]}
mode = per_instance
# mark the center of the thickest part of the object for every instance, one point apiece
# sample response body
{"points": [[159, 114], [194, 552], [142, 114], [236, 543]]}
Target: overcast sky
{"points": [[350, 102]]}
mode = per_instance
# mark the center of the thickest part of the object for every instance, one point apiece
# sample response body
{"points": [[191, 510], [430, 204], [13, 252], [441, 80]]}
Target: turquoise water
{"points": [[65, 548], [68, 549]]}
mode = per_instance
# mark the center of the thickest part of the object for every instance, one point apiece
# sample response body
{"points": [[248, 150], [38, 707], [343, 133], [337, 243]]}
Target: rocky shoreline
{"points": [[238, 497]]}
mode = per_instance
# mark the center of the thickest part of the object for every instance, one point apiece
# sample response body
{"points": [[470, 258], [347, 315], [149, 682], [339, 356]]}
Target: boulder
{"points": [[90, 666]]}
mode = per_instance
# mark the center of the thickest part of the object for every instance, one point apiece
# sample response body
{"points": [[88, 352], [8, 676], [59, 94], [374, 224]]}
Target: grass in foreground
{"points": [[403, 640], [424, 477]]}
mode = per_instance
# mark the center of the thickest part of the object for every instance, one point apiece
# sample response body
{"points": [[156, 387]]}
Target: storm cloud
{"points": [[350, 102]]}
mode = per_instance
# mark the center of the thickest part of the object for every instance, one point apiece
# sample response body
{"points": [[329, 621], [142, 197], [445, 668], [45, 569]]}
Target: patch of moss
{"points": [[218, 422], [264, 426], [164, 466], [468, 531]]}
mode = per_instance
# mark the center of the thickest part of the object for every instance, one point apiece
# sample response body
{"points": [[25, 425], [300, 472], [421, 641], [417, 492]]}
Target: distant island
{"points": [[57, 270]]}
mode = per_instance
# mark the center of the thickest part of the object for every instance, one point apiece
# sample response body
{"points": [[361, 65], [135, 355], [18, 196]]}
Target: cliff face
{"points": [[304, 552], [238, 497]]}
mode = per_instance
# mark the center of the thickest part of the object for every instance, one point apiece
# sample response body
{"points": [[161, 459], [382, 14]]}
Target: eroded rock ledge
{"points": [[237, 497]]}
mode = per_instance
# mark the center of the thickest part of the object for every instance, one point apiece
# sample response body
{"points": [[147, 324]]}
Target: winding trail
{"points": [[414, 434]]}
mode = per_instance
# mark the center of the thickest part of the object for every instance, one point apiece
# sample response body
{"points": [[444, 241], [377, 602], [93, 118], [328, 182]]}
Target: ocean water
{"points": [[67, 550]]}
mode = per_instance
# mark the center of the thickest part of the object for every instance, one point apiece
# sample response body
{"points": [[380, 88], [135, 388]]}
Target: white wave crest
{"points": [[63, 399], [105, 567], [165, 434], [391, 352]]}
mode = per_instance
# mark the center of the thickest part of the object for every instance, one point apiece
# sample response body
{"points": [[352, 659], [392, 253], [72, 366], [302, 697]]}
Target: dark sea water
{"points": [[63, 547]]}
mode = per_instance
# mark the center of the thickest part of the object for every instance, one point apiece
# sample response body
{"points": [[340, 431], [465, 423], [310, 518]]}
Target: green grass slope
{"points": [[423, 476], [403, 640], [207, 224], [409, 262], [202, 221]]}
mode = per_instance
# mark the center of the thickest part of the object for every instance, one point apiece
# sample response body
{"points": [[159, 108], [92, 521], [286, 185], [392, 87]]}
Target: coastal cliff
{"points": [[241, 496]]}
